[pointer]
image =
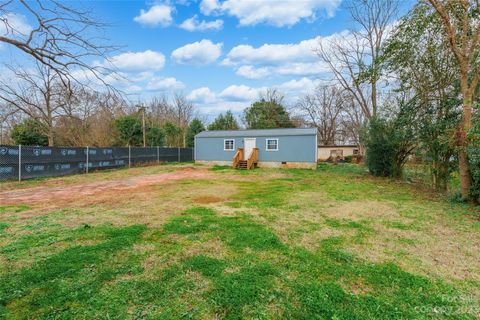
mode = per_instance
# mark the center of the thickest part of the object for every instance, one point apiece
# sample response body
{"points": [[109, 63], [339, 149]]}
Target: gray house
{"points": [[291, 148]]}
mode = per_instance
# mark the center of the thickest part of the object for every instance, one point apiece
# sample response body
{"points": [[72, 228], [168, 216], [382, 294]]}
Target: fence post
{"points": [[88, 159], [178, 154], [19, 162], [158, 154], [129, 156]]}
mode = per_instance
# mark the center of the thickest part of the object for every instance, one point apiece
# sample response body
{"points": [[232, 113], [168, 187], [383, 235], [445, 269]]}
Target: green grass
{"points": [[295, 244]]}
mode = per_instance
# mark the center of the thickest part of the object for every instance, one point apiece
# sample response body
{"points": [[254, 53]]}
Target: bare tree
{"points": [[179, 112], [324, 109], [35, 94], [88, 118], [352, 123], [272, 96], [461, 23], [353, 57], [63, 38]]}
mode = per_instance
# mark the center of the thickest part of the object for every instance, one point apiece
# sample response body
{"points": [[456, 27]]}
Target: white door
{"points": [[248, 145]]}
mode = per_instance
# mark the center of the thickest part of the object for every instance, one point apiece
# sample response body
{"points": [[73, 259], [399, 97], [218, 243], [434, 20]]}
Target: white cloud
{"points": [[295, 87], [164, 84], [302, 69], [286, 69], [198, 53], [202, 95], [146, 60], [193, 24], [299, 59], [251, 72], [239, 93], [157, 15], [209, 6], [14, 24], [273, 53], [276, 13]]}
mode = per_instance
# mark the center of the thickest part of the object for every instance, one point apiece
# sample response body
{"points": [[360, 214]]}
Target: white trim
{"points": [[245, 154], [266, 144], [195, 148], [233, 146]]}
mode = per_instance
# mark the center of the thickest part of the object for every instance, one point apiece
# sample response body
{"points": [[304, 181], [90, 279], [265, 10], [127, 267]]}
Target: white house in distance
{"points": [[333, 151]]}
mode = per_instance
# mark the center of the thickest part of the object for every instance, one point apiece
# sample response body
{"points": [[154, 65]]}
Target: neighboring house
{"points": [[290, 148], [336, 151]]}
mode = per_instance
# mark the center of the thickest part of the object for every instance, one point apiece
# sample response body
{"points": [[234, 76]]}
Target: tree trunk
{"points": [[462, 142], [374, 98], [50, 135]]}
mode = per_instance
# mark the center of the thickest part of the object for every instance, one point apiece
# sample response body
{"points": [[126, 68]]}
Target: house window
{"points": [[228, 144], [355, 151], [272, 144]]}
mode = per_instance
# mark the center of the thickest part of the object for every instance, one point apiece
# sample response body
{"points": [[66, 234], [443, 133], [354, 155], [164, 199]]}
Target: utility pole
{"points": [[143, 127]]}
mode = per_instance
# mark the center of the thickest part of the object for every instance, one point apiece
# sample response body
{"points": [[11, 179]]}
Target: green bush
{"points": [[380, 148], [474, 157], [348, 159], [389, 143], [30, 132]]}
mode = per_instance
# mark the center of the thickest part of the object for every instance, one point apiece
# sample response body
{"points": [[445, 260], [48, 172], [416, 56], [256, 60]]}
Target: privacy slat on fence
{"points": [[21, 162]]}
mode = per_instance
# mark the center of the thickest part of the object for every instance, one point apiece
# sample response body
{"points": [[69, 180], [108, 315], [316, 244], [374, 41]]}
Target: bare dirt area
{"points": [[68, 193]]}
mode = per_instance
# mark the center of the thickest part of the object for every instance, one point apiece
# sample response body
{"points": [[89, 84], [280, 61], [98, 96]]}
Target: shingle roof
{"points": [[258, 132]]}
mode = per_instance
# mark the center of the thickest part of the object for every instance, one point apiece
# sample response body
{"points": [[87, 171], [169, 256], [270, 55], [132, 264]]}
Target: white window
{"points": [[228, 144], [272, 144]]}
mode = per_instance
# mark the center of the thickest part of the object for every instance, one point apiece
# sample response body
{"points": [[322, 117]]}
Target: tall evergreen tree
{"points": [[224, 122], [195, 127]]}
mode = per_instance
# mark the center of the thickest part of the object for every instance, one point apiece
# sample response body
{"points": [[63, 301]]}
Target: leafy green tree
{"points": [[268, 113], [155, 136], [474, 156], [427, 71], [173, 134], [389, 142], [129, 130], [30, 132], [195, 127], [224, 122], [461, 31]]}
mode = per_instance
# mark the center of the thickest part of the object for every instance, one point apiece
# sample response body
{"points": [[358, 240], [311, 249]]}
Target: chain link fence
{"points": [[20, 162]]}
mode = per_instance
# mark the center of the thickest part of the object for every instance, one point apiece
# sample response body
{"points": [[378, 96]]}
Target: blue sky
{"points": [[220, 53]]}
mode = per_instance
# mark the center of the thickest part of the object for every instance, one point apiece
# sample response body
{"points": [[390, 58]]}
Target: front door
{"points": [[248, 144]]}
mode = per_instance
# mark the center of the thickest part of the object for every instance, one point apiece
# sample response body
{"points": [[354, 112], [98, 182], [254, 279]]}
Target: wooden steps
{"points": [[242, 164], [250, 163]]}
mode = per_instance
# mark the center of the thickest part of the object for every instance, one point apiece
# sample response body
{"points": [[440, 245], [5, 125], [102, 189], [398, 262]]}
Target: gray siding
{"points": [[290, 148]]}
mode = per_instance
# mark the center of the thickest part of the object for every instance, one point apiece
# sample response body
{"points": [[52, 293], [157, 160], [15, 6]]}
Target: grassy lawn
{"points": [[333, 243]]}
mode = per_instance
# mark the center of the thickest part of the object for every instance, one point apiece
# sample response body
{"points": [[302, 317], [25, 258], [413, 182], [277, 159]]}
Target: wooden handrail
{"points": [[238, 156], [252, 158]]}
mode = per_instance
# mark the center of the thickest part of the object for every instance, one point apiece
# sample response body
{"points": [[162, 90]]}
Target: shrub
{"points": [[30, 132], [380, 148], [389, 143], [348, 159], [474, 157]]}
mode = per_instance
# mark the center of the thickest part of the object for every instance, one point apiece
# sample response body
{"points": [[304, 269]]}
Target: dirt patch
{"points": [[207, 200], [96, 189]]}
